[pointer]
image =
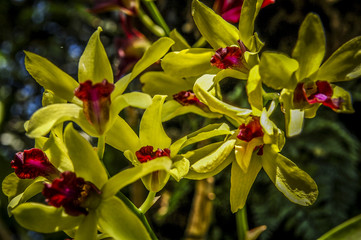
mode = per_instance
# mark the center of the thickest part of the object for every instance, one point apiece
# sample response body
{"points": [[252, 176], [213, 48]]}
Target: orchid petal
{"points": [[179, 42], [43, 120], [87, 228], [94, 64], [218, 32], [151, 130], [189, 62], [244, 152], [154, 82], [121, 136], [213, 160], [250, 9], [45, 219], [215, 105], [293, 182], [277, 70], [172, 109], [85, 160], [254, 90], [310, 47], [179, 169], [113, 211], [131, 175], [346, 104], [242, 182], [344, 64], [50, 76]]}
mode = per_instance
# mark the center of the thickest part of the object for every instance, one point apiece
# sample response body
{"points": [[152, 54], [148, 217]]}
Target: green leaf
{"points": [[179, 169], [85, 160], [50, 76], [276, 70], [254, 90], [172, 109], [43, 120], [154, 82], [213, 160], [189, 62], [250, 9], [117, 220], [217, 31], [310, 47], [45, 219], [131, 175], [94, 64], [346, 105], [348, 230], [151, 130], [344, 63], [242, 182], [179, 42], [121, 136], [215, 105], [294, 183], [88, 228]]}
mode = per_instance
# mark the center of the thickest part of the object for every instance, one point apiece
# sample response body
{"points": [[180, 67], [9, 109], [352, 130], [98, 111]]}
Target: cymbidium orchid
{"points": [[82, 198], [233, 49], [230, 10], [256, 143], [304, 83], [95, 101], [153, 143]]}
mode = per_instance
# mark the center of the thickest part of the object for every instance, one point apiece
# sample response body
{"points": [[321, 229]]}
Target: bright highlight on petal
{"points": [[33, 163], [70, 192], [96, 102]]}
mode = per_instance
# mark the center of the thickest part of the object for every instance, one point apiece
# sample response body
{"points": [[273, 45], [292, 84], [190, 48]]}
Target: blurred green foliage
{"points": [[328, 148]]}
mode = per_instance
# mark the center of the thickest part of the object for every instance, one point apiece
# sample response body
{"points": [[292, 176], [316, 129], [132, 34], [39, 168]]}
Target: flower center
{"points": [[230, 57], [96, 102], [71, 192], [316, 92], [146, 153]]}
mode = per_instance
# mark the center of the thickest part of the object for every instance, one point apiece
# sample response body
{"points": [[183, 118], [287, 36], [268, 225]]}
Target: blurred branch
{"points": [[201, 212]]}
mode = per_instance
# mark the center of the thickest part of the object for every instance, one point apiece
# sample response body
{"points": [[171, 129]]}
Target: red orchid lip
{"points": [[250, 130], [70, 192], [33, 163], [316, 92], [96, 102], [230, 57], [146, 153]]}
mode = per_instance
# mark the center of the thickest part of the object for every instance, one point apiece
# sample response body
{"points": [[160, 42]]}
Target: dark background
{"points": [[328, 149]]}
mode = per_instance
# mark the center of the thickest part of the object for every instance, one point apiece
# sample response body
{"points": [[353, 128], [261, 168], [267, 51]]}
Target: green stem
{"points": [[147, 21], [139, 214], [200, 43], [147, 203], [101, 149], [154, 12], [242, 223]]}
